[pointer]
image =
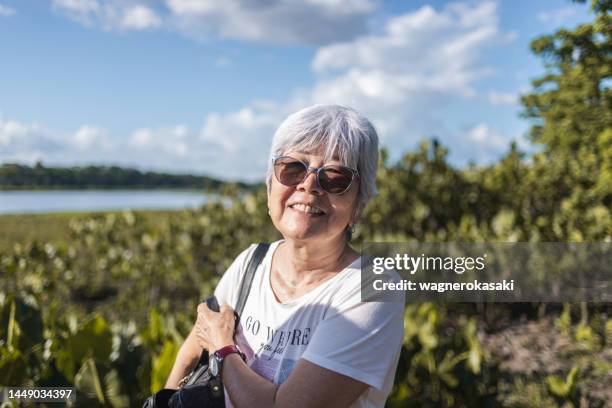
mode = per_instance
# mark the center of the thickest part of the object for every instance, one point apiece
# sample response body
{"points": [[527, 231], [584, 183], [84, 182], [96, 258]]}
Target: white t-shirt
{"points": [[328, 326]]}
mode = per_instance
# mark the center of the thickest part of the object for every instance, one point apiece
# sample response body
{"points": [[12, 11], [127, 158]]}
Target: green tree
{"points": [[571, 179]]}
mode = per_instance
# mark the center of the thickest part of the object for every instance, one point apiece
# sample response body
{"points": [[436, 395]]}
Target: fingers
{"points": [[215, 330], [227, 313], [208, 320], [202, 341], [225, 308], [203, 308]]}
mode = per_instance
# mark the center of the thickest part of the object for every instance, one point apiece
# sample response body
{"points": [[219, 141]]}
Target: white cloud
{"points": [[242, 140], [502, 98], [139, 18], [171, 149], [176, 148], [238, 130], [78, 6], [402, 77], [141, 138], [344, 6], [285, 22], [82, 11], [90, 137], [480, 142], [484, 136], [411, 35], [25, 142], [29, 143], [110, 14], [6, 11], [423, 51], [175, 141]]}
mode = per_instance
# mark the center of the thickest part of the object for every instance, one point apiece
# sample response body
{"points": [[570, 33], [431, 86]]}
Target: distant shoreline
{"points": [[103, 188], [21, 177]]}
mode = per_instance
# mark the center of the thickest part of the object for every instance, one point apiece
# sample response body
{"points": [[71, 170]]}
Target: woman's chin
{"points": [[300, 234], [298, 226], [302, 230]]}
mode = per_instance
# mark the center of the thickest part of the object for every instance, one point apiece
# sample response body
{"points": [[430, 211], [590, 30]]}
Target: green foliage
{"points": [[162, 365], [143, 280], [562, 388], [570, 108], [106, 309], [528, 394], [564, 321], [91, 341], [441, 361]]}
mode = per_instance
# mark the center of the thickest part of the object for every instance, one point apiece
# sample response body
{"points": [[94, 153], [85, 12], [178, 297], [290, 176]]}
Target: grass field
{"points": [[49, 227]]}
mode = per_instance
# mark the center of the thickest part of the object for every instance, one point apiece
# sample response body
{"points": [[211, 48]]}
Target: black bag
{"points": [[201, 390]]}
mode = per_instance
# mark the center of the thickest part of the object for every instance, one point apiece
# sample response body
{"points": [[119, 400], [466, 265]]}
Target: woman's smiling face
{"points": [[306, 211]]}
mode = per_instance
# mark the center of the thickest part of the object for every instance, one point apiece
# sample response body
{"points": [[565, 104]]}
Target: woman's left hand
{"points": [[215, 330]]}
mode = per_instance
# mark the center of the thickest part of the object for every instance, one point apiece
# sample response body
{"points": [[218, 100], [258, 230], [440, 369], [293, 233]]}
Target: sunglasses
{"points": [[332, 179]]}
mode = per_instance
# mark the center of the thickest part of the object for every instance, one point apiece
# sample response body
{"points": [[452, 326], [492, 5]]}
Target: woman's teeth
{"points": [[306, 209]]}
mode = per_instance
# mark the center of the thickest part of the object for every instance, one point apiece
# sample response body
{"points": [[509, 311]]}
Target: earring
{"points": [[349, 232]]}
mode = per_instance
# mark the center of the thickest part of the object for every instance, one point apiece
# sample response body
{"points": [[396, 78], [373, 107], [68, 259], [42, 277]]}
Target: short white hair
{"points": [[342, 133]]}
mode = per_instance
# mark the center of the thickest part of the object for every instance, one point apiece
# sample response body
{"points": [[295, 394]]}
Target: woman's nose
{"points": [[310, 184]]}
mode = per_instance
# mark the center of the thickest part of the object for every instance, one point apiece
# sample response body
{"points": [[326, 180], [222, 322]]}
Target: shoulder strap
{"points": [[247, 279], [245, 287]]}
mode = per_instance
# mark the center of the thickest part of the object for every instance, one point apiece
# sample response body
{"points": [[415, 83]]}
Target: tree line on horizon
{"points": [[14, 176]]}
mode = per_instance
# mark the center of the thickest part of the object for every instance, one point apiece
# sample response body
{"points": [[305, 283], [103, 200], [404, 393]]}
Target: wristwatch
{"points": [[215, 360]]}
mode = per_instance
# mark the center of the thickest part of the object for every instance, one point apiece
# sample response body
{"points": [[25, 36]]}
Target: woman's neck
{"points": [[303, 264]]}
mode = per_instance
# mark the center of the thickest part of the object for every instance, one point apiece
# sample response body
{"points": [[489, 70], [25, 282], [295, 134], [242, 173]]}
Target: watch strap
{"points": [[227, 350]]}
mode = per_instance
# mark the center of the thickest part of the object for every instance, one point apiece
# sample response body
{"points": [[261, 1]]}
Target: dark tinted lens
{"points": [[335, 179], [289, 172]]}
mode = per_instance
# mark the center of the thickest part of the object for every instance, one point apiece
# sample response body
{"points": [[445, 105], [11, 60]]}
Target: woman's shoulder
{"points": [[271, 247], [242, 260], [229, 285]]}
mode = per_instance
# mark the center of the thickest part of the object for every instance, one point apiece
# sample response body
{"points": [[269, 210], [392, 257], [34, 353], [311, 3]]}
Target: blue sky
{"points": [[199, 86]]}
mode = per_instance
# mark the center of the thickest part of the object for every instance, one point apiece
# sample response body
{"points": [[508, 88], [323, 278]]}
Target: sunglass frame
{"points": [[317, 171]]}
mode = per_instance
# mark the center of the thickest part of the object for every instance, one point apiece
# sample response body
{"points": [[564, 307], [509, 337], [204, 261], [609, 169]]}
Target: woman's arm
{"points": [[186, 360], [308, 386]]}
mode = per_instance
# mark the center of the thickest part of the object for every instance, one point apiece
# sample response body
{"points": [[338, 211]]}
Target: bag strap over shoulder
{"points": [[247, 280], [245, 286]]}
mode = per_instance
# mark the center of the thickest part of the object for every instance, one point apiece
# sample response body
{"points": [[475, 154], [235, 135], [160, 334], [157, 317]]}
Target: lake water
{"points": [[15, 202]]}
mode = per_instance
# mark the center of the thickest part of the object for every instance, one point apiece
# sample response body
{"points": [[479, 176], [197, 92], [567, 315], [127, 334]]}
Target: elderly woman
{"points": [[305, 339]]}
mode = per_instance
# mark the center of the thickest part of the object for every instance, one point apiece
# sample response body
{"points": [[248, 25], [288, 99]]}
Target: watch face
{"points": [[213, 365]]}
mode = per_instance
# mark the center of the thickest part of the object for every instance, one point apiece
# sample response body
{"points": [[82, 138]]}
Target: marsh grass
{"points": [[53, 227]]}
